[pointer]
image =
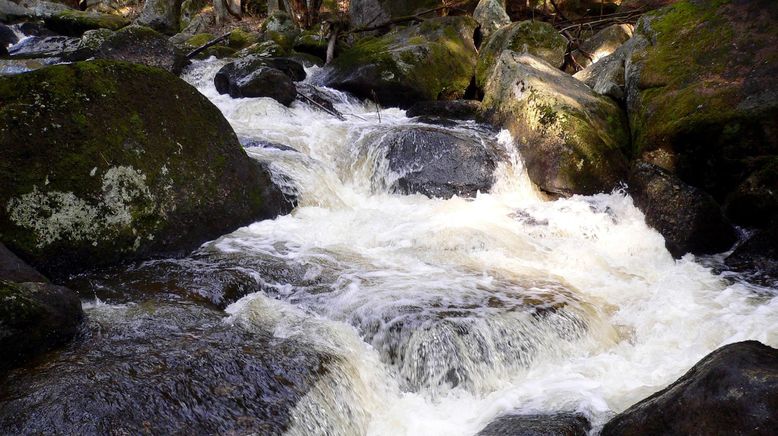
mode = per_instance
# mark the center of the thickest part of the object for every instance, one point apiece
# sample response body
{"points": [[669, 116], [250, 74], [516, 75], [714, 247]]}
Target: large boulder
{"points": [[433, 60], [561, 424], [602, 44], [161, 15], [757, 257], [701, 91], [75, 23], [35, 316], [754, 202], [534, 37], [259, 76], [572, 139], [376, 12], [192, 372], [733, 390], [690, 220], [448, 109], [439, 163], [105, 161], [10, 12], [491, 15], [136, 44]]}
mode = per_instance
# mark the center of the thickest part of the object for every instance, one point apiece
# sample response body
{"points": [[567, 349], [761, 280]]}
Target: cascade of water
{"points": [[447, 313]]}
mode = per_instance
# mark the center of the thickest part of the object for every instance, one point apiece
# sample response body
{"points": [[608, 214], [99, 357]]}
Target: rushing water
{"points": [[427, 316], [452, 312]]}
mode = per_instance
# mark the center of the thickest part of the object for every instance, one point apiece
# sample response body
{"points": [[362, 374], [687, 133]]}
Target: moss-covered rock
{"points": [[161, 15], [241, 39], [428, 61], [75, 23], [312, 42], [534, 37], [189, 10], [602, 44], [491, 15], [105, 161], [701, 91], [136, 44], [572, 140], [266, 48]]}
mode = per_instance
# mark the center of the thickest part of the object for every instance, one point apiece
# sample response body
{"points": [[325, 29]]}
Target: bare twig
{"points": [[210, 43]]}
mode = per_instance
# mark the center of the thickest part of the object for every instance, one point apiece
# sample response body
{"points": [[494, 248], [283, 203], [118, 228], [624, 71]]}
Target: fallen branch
{"points": [[330, 111], [210, 43]]}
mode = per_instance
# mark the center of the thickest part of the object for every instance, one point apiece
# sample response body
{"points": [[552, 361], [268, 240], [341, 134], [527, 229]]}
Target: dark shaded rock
{"points": [[35, 28], [433, 60], [312, 42], [7, 38], [439, 163], [44, 47], [451, 109], [757, 258], [14, 269], [75, 23], [573, 140], [754, 202], [161, 15], [248, 143], [119, 161], [689, 219], [376, 12], [733, 390], [34, 318], [563, 424], [256, 76], [712, 118], [136, 44], [163, 368]]}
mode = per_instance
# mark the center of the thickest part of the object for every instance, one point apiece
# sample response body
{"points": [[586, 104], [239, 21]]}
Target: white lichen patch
{"points": [[55, 215]]}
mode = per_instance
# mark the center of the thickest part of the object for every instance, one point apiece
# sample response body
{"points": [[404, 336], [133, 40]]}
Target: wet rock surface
{"points": [[44, 46], [733, 390], [563, 424], [439, 163], [451, 109], [259, 76], [757, 257], [689, 219], [162, 368]]}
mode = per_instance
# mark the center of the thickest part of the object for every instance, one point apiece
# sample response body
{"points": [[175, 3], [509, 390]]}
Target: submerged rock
{"points": [[433, 60], [711, 119], [757, 258], [573, 140], [534, 37], [439, 163], [120, 161], [690, 220], [163, 368], [35, 316], [136, 44], [563, 424], [733, 390]]}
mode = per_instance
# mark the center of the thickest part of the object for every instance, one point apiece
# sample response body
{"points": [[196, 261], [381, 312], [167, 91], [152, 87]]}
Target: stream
{"points": [[370, 312]]}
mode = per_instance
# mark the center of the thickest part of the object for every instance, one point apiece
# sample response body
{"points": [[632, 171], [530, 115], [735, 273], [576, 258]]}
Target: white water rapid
{"points": [[446, 314]]}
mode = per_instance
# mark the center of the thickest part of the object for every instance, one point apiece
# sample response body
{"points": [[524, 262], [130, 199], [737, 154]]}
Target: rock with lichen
{"points": [[75, 23], [161, 15], [105, 161], [573, 140], [432, 60]]}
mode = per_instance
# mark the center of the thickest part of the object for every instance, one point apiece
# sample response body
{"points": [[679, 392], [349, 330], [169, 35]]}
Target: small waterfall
{"points": [[444, 314]]}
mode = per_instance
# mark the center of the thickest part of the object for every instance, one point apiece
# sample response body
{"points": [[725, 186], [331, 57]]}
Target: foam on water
{"points": [[448, 313]]}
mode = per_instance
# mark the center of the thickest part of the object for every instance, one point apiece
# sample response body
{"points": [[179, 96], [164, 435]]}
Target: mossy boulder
{"points": [[265, 49], [312, 42], [239, 39], [433, 60], [375, 12], [572, 139], [75, 23], [602, 44], [534, 37], [161, 15], [189, 10], [136, 44], [105, 161], [701, 91]]}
